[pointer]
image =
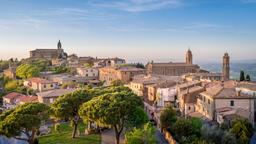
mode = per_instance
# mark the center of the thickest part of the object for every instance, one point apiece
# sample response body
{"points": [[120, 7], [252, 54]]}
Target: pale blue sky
{"points": [[132, 29]]}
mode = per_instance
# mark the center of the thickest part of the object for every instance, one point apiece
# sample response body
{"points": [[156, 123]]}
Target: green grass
{"points": [[64, 136]]}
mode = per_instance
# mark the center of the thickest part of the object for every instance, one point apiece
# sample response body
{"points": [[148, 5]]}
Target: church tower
{"points": [[226, 67], [189, 57]]}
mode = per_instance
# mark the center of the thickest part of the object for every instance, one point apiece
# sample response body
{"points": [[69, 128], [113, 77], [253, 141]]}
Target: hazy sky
{"points": [[132, 29]]}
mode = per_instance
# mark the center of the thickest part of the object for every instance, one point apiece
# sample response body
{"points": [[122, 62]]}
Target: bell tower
{"points": [[189, 57], [226, 67]]}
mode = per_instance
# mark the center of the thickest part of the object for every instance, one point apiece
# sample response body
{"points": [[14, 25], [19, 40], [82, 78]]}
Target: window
{"points": [[189, 108], [232, 103], [44, 86], [51, 85], [209, 102], [51, 100]]}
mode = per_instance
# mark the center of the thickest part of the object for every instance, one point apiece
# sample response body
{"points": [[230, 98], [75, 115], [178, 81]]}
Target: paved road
{"points": [[108, 137], [5, 140], [160, 138], [253, 139]]}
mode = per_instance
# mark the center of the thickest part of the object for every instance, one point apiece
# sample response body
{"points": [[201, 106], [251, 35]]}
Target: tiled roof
{"points": [[190, 95], [225, 90], [155, 79], [39, 80], [42, 50], [247, 85], [164, 84], [192, 90], [227, 111], [27, 99], [55, 92], [124, 68], [173, 64], [12, 95], [130, 69], [204, 74], [188, 84]]}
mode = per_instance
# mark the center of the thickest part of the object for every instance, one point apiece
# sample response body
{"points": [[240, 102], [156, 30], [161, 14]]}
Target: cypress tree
{"points": [[248, 78], [242, 78]]}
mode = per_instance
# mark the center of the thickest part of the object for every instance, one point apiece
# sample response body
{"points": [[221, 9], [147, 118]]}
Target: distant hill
{"points": [[236, 67]]}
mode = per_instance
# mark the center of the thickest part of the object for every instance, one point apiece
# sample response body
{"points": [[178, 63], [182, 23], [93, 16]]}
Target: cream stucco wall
{"points": [[238, 103]]}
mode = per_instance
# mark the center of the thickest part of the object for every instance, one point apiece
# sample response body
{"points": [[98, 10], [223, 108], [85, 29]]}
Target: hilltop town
{"points": [[106, 98]]}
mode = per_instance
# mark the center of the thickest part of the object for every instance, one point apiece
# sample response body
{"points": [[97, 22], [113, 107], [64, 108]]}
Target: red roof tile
{"points": [[27, 99], [39, 80], [12, 95]]}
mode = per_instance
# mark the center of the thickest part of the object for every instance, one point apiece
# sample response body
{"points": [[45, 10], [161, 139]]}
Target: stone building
{"points": [[39, 84], [189, 57], [205, 77], [92, 72], [226, 67], [125, 74], [109, 62], [13, 99], [147, 85], [11, 71], [152, 89], [224, 99], [49, 54], [174, 69], [48, 97], [187, 96]]}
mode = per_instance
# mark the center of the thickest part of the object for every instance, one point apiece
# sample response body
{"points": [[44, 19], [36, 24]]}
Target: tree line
{"points": [[244, 77], [195, 131], [116, 107]]}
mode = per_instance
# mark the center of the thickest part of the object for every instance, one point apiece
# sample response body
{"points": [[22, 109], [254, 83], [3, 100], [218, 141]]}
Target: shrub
{"points": [[57, 127], [11, 85]]}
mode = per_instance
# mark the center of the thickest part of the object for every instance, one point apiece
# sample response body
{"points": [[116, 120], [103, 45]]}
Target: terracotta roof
{"points": [[27, 99], [192, 90], [190, 95], [247, 85], [164, 84], [173, 64], [55, 92], [189, 84], [225, 90], [42, 50], [227, 111], [39, 80], [124, 68], [155, 79], [204, 74], [12, 95]]}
